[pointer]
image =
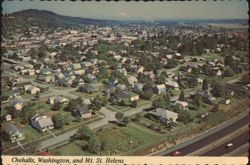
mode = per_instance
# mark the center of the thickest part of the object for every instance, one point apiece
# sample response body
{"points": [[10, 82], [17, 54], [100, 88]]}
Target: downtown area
{"points": [[84, 87]]}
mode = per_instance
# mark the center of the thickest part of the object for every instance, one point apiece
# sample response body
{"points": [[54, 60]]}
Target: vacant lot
{"points": [[116, 140]]}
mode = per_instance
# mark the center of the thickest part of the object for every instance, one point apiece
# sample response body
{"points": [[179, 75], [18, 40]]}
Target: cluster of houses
{"points": [[71, 59], [41, 123]]}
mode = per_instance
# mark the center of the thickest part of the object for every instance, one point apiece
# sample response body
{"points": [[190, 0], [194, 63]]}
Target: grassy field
{"points": [[71, 149], [211, 56], [118, 140], [122, 139]]}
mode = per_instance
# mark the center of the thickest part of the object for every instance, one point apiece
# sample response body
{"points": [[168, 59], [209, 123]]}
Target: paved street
{"points": [[204, 140], [222, 149]]}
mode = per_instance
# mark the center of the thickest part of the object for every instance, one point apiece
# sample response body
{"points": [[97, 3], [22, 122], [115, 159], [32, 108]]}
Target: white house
{"points": [[42, 123]]}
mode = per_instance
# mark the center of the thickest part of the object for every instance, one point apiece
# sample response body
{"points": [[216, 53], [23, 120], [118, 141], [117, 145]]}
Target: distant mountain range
{"points": [[48, 17]]}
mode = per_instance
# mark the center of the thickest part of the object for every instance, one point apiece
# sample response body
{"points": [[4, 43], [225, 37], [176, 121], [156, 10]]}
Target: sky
{"points": [[227, 9]]}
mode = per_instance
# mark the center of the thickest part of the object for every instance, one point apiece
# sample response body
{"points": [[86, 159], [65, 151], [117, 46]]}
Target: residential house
{"points": [[7, 117], [31, 72], [25, 59], [79, 72], [82, 111], [163, 115], [206, 96], [45, 71], [140, 69], [112, 83], [47, 79], [76, 66], [87, 88], [133, 96], [138, 88], [19, 85], [160, 89], [118, 96], [58, 99], [26, 87], [33, 90], [42, 123], [16, 103], [121, 86], [91, 76], [123, 71], [12, 133], [216, 71], [172, 85], [169, 57], [132, 80], [182, 104]]}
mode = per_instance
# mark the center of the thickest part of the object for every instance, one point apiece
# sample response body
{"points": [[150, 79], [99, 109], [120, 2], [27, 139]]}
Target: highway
{"points": [[222, 150], [211, 138]]}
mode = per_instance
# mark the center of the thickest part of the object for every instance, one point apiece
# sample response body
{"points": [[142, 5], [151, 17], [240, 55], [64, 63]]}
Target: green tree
{"points": [[67, 119], [197, 100], [192, 82], [134, 104], [205, 84], [96, 103], [184, 117], [73, 103], [146, 95], [126, 120], [27, 113], [94, 144], [138, 117], [84, 133], [218, 90], [159, 102], [56, 107], [216, 108], [161, 79], [229, 61], [182, 96], [228, 73], [167, 97], [58, 120], [119, 116], [171, 64], [103, 73]]}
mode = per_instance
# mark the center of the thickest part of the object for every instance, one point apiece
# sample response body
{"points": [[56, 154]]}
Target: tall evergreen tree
{"points": [[182, 96], [205, 84]]}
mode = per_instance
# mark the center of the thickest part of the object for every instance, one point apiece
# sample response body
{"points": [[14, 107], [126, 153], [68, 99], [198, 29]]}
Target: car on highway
{"points": [[176, 153], [229, 145]]}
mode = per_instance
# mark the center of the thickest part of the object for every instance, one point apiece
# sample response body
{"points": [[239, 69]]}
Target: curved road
{"points": [[213, 137]]}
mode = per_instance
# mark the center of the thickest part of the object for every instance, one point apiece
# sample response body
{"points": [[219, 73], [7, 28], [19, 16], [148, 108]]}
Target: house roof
{"points": [[43, 121], [160, 112], [172, 83], [16, 100], [161, 86], [10, 129], [82, 108], [182, 103], [89, 87]]}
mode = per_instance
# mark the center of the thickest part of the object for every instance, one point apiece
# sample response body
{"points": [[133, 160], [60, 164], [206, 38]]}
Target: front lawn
{"points": [[71, 149]]}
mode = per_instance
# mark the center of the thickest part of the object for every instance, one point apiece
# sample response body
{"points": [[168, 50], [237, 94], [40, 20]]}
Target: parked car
{"points": [[229, 145], [176, 153]]}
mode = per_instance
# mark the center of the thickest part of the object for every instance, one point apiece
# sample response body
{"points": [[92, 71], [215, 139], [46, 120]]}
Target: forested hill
{"points": [[50, 18]]}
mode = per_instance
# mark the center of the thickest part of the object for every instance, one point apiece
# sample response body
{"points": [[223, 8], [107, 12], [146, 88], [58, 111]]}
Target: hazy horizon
{"points": [[145, 11]]}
